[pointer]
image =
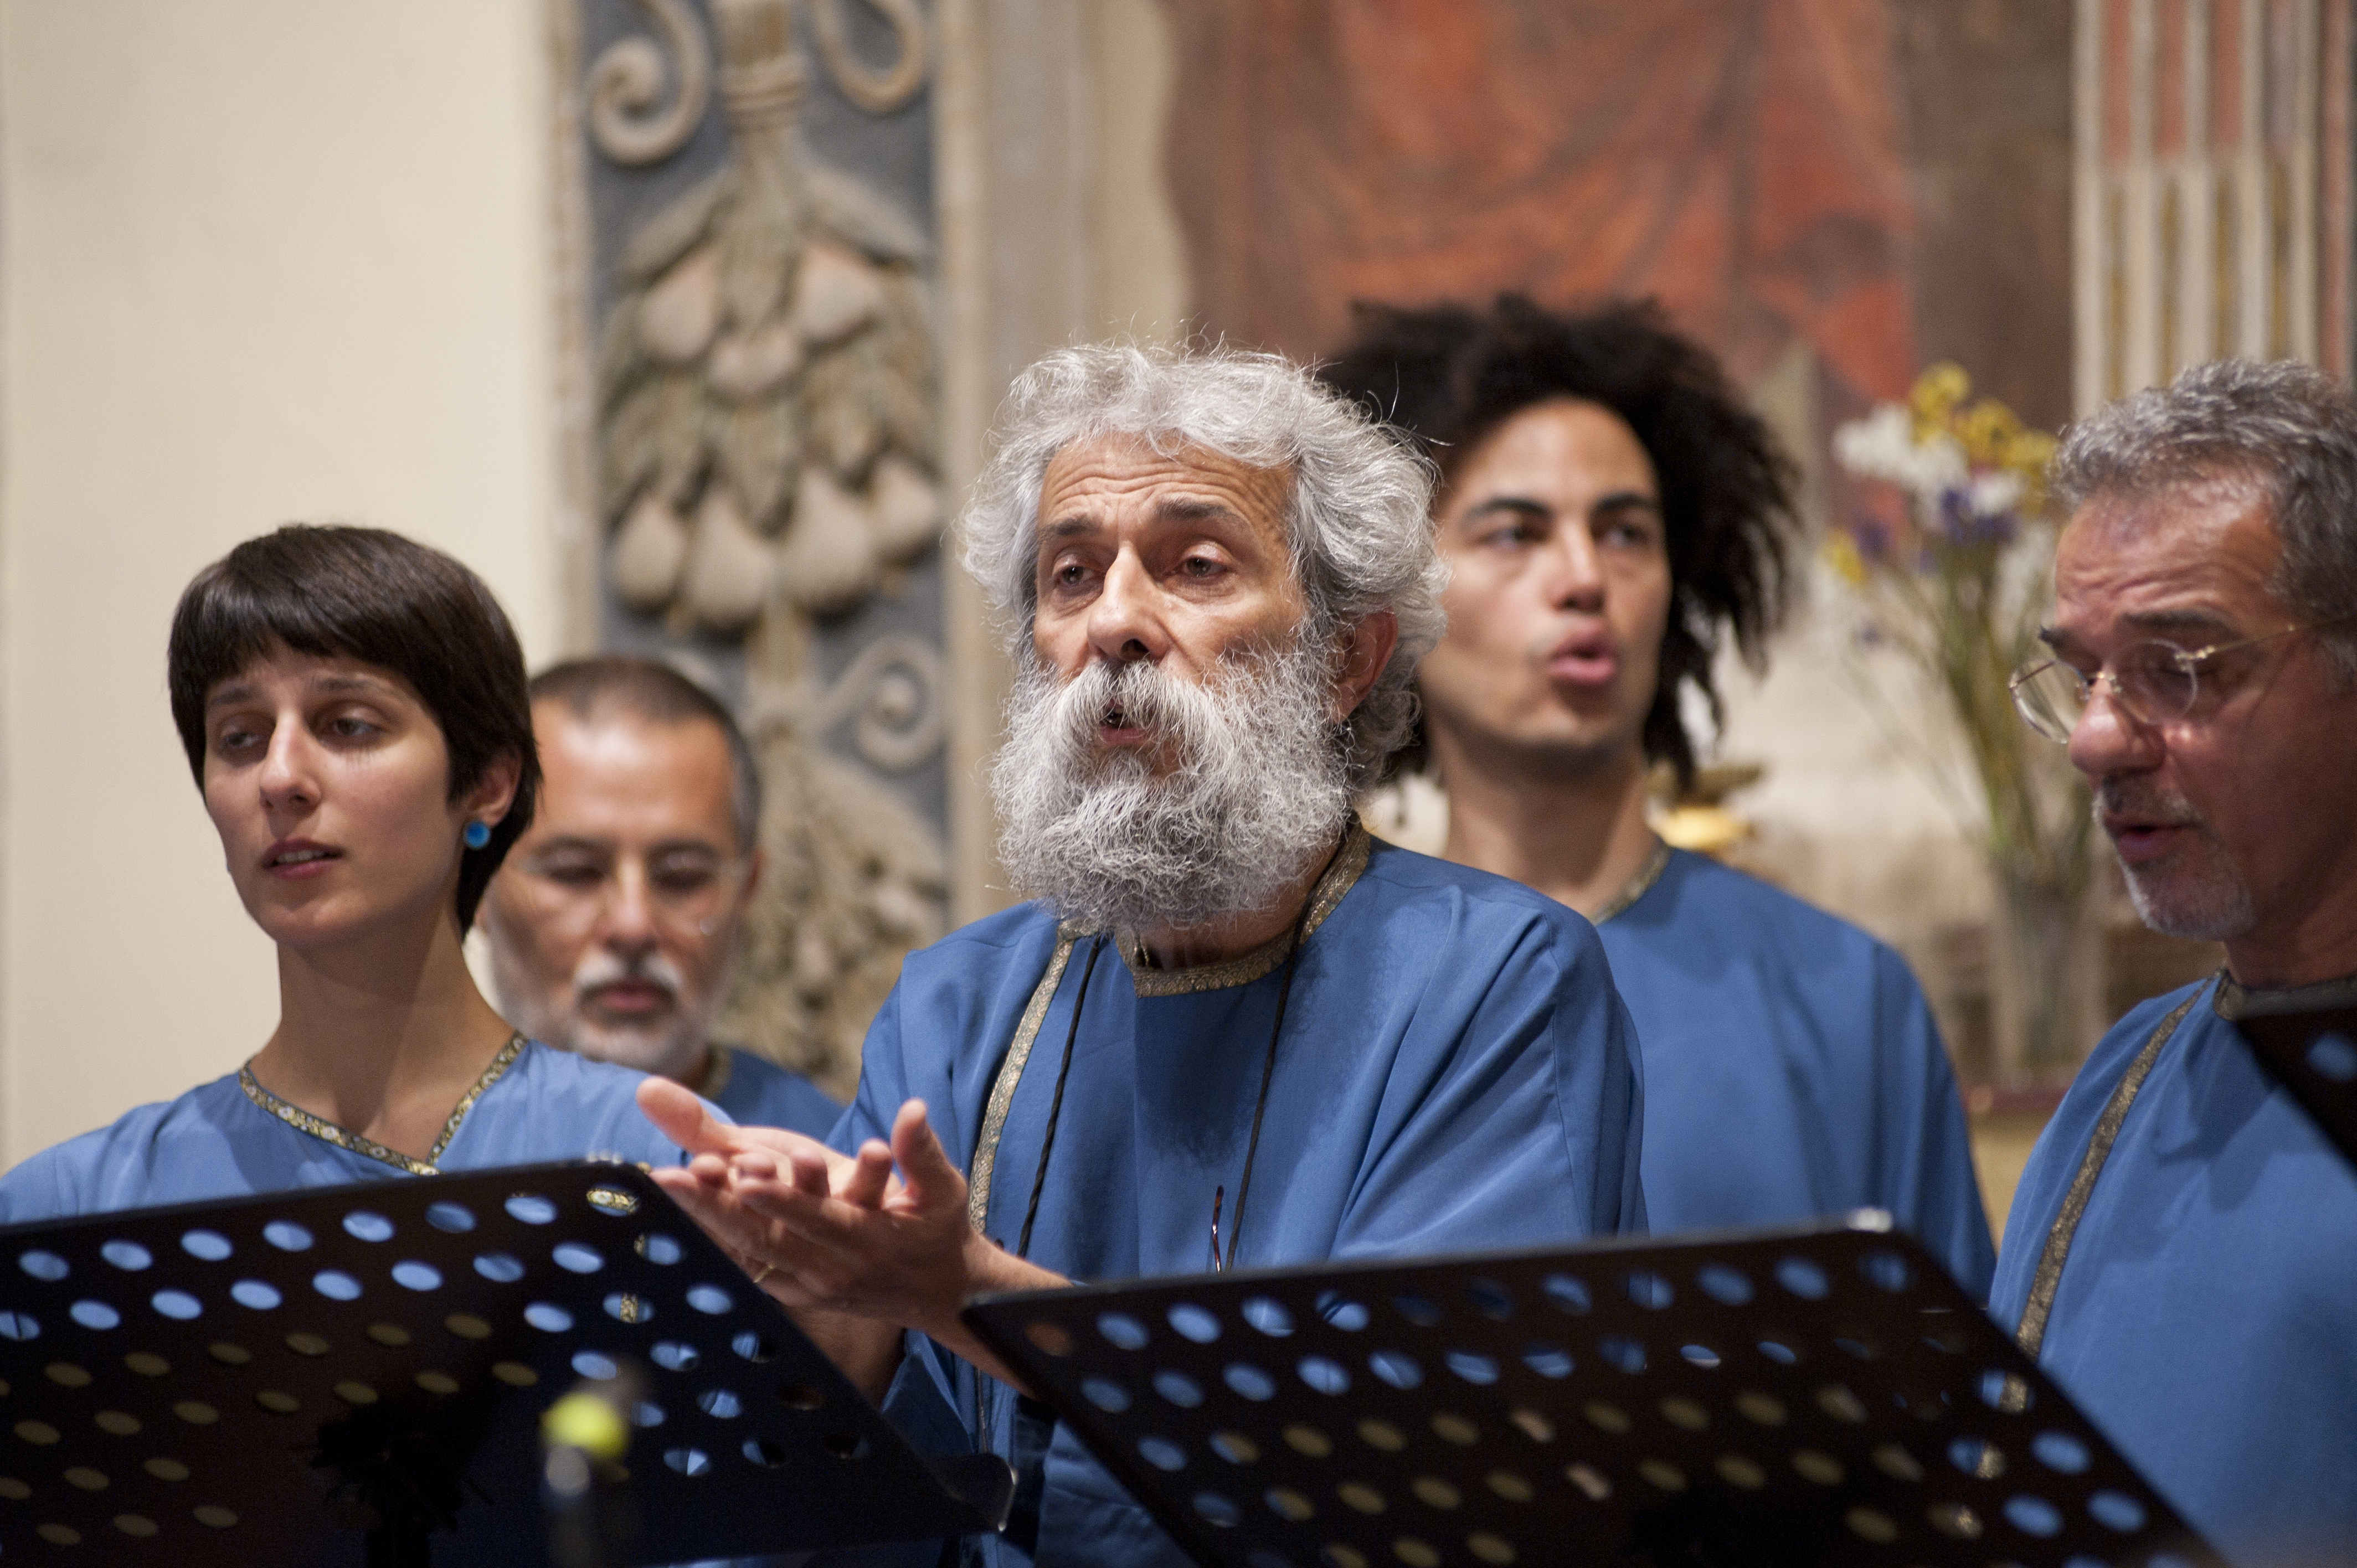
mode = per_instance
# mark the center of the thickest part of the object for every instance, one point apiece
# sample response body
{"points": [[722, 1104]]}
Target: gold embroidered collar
{"points": [[345, 1138], [1349, 863], [1638, 885], [2234, 1001]]}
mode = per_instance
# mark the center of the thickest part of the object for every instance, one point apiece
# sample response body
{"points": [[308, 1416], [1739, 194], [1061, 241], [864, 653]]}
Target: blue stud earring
{"points": [[478, 834]]}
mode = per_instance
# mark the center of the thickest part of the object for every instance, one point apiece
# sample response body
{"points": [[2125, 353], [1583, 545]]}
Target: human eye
{"points": [[237, 738], [682, 878], [1627, 528], [2160, 675], [349, 726], [1518, 532], [572, 871], [1201, 565], [1069, 575]]}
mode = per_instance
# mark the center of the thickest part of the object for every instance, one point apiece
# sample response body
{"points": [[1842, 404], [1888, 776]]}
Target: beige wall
{"points": [[258, 261]]}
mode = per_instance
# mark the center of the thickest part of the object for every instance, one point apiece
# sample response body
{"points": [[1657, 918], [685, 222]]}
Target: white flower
{"points": [[1882, 446], [1996, 493]]}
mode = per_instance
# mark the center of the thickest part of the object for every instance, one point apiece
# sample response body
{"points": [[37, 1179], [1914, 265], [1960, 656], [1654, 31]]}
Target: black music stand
{"points": [[2313, 1056], [358, 1374], [1805, 1397]]}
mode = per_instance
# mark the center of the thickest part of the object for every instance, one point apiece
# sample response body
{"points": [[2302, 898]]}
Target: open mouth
{"points": [[2140, 841], [1588, 659], [1117, 726], [298, 857]]}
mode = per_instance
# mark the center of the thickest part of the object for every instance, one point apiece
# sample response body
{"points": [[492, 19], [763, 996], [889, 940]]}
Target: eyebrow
{"points": [[1616, 501], [2182, 620], [1171, 508], [583, 844]]}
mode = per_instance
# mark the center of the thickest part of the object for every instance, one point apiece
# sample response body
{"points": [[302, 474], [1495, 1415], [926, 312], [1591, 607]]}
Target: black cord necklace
{"points": [[1259, 1105]]}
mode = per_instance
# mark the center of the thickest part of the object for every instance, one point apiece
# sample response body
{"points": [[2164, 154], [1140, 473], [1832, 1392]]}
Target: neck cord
{"points": [[1056, 1105], [1267, 1073], [1260, 1106]]}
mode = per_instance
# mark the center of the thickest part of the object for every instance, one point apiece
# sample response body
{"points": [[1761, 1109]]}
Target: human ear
{"points": [[489, 802], [1366, 648]]}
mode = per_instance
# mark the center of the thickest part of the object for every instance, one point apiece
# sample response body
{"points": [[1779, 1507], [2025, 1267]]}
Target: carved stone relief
{"points": [[767, 455]]}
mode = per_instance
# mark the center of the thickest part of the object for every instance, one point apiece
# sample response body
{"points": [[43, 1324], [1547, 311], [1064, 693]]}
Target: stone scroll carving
{"points": [[767, 467]]}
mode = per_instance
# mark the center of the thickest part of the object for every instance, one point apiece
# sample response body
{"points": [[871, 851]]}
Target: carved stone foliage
{"points": [[767, 467]]}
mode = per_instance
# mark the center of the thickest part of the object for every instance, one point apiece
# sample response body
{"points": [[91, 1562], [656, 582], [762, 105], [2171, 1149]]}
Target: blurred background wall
{"points": [[259, 262]]}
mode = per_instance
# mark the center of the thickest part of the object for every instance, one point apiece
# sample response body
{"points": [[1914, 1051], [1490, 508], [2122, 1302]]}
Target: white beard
{"points": [[671, 1041], [1256, 789]]}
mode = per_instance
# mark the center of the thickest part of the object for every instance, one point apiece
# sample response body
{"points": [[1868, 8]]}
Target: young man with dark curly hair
{"points": [[1611, 510]]}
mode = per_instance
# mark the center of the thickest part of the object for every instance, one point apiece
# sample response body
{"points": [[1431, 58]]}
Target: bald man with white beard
{"points": [[1228, 1030]]}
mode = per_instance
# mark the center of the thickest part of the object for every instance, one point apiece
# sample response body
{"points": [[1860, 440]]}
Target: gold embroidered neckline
{"points": [[325, 1131], [1349, 863], [1638, 885]]}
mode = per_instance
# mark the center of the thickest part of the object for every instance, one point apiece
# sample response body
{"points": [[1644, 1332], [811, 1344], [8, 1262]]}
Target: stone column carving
{"points": [[767, 467]]}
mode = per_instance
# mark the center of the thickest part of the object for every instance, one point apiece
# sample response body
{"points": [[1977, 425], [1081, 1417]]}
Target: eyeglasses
{"points": [[685, 890], [2151, 683]]}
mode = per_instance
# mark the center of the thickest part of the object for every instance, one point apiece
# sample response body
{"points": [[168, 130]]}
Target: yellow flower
{"points": [[1842, 555], [1935, 394], [2029, 452], [1987, 430]]}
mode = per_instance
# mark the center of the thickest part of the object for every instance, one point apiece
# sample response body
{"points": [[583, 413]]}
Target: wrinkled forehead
{"points": [[2201, 551], [1107, 479]]}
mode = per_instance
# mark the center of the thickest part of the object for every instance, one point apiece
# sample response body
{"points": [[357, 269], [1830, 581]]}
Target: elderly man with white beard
{"points": [[2182, 1251], [1228, 1031]]}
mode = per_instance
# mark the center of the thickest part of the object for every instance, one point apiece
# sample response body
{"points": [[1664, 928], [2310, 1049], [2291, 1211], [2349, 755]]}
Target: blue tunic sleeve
{"points": [[1526, 1131]]}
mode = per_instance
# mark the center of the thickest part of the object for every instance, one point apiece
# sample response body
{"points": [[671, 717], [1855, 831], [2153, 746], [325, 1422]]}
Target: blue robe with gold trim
{"points": [[1792, 1069], [215, 1141], [2205, 1314], [1455, 1073]]}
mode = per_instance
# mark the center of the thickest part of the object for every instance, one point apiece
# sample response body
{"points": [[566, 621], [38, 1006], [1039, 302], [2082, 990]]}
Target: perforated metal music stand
{"points": [[1814, 1396], [358, 1375], [2313, 1056]]}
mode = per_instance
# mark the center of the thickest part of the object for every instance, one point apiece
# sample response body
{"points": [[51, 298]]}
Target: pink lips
{"points": [[294, 859], [1584, 659], [631, 998], [1113, 730], [2140, 842]]}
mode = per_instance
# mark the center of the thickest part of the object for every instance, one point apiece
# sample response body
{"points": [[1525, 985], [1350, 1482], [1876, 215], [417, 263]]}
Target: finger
{"points": [[871, 1175], [759, 1164], [682, 1118], [811, 1174], [925, 1166]]}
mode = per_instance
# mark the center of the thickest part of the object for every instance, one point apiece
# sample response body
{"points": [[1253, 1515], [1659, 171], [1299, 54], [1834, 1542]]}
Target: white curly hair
{"points": [[1360, 522]]}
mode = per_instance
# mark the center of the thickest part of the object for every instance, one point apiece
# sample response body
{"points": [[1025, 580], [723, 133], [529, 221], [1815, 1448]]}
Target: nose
{"points": [[628, 928], [1123, 623], [1575, 579], [290, 776], [2108, 740]]}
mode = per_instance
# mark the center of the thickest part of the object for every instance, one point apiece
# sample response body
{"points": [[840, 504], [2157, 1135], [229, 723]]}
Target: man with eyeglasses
{"points": [[612, 924], [2182, 1250]]}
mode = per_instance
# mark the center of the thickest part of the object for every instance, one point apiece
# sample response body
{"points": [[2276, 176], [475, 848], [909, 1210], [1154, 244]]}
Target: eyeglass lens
{"points": [[2152, 682]]}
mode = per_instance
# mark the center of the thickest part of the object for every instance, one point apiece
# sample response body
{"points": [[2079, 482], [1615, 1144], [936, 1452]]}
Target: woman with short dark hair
{"points": [[353, 708]]}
